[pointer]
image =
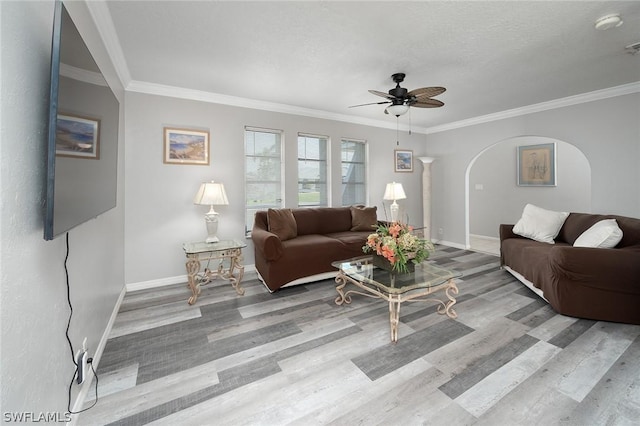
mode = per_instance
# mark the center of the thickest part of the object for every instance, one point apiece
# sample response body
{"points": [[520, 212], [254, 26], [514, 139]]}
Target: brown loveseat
{"points": [[320, 236], [594, 283]]}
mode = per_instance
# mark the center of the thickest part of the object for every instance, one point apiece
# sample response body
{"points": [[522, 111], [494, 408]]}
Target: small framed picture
{"points": [[184, 146], [537, 165], [403, 160], [77, 137]]}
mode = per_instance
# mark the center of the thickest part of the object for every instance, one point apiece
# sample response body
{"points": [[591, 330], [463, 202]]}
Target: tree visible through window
{"points": [[354, 172], [312, 170], [263, 171]]}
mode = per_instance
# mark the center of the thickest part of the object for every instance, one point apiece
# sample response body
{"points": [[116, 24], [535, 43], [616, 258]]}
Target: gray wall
{"points": [[36, 361], [501, 200], [607, 131], [160, 214]]}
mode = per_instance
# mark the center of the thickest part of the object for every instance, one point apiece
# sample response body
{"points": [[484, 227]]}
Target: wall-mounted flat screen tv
{"points": [[82, 144]]}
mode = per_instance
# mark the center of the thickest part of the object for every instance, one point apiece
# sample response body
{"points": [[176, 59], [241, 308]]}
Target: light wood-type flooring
{"points": [[296, 358]]}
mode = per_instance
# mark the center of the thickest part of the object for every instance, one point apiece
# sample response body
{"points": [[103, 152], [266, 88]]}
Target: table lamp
{"points": [[211, 194], [394, 192]]}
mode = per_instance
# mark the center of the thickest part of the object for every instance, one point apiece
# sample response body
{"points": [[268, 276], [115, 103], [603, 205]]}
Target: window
{"points": [[354, 172], [263, 171], [312, 170]]}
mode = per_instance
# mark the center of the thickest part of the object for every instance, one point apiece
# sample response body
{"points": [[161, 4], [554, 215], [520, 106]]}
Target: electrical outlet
{"points": [[81, 361], [81, 370], [440, 231]]}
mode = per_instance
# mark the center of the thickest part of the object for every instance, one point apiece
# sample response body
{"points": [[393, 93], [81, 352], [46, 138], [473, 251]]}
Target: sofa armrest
{"points": [[506, 231], [607, 269], [267, 243]]}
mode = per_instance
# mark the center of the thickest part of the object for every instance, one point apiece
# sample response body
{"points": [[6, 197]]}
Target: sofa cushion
{"points": [[282, 223], [603, 234], [540, 224], [363, 218], [322, 220], [577, 223]]}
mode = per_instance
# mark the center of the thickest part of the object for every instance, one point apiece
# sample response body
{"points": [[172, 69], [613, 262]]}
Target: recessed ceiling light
{"points": [[608, 21]]}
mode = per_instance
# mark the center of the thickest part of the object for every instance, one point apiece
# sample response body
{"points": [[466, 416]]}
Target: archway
{"points": [[492, 195]]}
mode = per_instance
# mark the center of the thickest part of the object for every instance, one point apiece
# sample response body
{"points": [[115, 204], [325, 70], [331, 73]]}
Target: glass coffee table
{"points": [[380, 284]]}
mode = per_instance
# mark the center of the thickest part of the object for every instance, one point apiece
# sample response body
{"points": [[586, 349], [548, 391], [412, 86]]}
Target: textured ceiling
{"points": [[491, 56]]}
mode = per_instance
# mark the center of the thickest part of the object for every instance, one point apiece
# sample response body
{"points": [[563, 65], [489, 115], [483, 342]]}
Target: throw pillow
{"points": [[282, 223], [540, 224], [604, 234], [363, 218]]}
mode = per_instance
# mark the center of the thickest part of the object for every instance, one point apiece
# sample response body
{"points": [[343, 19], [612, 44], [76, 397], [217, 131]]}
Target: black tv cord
{"points": [[90, 360]]}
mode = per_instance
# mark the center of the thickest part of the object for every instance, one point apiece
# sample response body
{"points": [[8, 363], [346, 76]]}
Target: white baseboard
{"points": [[161, 282], [86, 386], [450, 244], [484, 237]]}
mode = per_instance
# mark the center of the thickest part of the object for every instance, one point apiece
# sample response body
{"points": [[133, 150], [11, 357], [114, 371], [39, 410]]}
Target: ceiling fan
{"points": [[400, 99]]}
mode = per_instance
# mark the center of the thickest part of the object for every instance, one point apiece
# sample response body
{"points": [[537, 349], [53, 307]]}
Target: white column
{"points": [[426, 195]]}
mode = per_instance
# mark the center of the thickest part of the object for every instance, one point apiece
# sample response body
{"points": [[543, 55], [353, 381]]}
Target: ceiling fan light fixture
{"points": [[397, 110], [608, 21]]}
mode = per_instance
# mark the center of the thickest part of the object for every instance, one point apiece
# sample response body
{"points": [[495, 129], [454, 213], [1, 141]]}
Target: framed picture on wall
{"points": [[184, 146], [403, 160], [77, 137], [537, 165]]}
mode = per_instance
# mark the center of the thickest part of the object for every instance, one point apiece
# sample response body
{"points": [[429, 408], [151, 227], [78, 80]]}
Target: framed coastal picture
{"points": [[77, 137], [185, 146], [537, 165], [403, 160]]}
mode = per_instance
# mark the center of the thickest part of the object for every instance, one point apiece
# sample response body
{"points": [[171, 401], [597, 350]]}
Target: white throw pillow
{"points": [[540, 224], [604, 234]]}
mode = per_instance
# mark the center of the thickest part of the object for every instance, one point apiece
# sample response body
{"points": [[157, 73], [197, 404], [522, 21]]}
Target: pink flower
{"points": [[389, 254], [394, 229]]}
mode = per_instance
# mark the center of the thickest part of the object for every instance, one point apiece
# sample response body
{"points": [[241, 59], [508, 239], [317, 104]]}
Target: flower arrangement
{"points": [[398, 245]]}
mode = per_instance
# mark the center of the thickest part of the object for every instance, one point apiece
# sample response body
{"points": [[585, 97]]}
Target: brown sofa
{"points": [[594, 283], [322, 235]]}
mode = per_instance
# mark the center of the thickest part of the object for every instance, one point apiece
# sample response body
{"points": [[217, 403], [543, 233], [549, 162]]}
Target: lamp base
{"points": [[211, 219], [395, 209]]}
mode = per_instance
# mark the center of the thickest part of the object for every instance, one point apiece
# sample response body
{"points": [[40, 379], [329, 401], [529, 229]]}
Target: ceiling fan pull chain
{"points": [[397, 130]]}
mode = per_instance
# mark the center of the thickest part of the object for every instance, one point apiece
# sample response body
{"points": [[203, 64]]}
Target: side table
{"points": [[220, 251]]}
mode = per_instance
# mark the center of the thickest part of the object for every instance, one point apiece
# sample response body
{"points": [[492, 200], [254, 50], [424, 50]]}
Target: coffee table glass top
{"points": [[426, 275], [202, 247]]}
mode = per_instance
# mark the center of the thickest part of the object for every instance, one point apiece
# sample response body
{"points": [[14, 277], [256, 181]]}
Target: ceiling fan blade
{"points": [[384, 95], [372, 103], [427, 92], [428, 103]]}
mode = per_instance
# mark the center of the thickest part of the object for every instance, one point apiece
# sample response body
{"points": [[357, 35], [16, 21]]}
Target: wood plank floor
{"points": [[295, 357]]}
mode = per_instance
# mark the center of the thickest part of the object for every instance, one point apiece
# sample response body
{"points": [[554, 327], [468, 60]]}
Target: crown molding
{"points": [[596, 95], [102, 18], [216, 98], [80, 74]]}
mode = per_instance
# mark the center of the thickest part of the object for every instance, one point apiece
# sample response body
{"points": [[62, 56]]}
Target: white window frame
{"points": [[366, 168], [327, 164], [249, 226]]}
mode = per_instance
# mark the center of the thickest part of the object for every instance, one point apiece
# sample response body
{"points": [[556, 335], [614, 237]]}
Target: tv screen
{"points": [[82, 158]]}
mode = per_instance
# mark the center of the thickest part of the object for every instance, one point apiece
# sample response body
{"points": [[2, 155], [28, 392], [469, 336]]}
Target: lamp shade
{"points": [[397, 110], [394, 192], [211, 194]]}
